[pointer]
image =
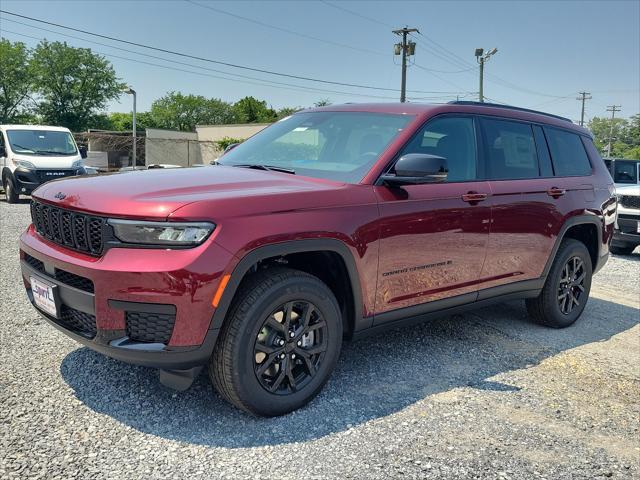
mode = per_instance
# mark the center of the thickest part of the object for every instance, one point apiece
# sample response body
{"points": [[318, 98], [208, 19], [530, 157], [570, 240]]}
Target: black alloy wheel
{"points": [[290, 347], [571, 286]]}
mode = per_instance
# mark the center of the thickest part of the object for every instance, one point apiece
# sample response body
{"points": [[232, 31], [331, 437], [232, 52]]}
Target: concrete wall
{"points": [[210, 133], [172, 147]]}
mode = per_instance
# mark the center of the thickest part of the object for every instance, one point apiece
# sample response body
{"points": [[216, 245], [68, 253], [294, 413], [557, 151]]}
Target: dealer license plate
{"points": [[43, 296]]}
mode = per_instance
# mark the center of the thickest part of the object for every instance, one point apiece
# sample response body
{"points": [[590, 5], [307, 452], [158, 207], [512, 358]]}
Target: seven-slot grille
{"points": [[630, 201], [71, 229]]}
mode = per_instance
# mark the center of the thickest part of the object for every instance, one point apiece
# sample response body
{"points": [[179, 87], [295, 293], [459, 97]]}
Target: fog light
{"points": [[24, 189]]}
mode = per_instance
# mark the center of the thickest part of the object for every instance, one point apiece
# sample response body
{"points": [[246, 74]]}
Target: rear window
{"points": [[510, 150], [625, 172], [567, 153]]}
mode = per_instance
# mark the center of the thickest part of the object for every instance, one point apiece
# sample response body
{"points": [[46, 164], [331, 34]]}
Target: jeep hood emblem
{"points": [[60, 196]]}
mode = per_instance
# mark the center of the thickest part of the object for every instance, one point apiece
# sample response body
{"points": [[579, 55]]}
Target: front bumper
{"points": [[102, 300], [26, 180], [626, 231]]}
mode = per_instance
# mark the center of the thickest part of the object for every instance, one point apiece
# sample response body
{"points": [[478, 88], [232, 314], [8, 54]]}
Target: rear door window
{"points": [[567, 153], [510, 150]]}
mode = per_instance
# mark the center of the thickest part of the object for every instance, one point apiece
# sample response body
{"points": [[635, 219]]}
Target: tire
{"points": [[551, 307], [10, 194], [257, 323], [626, 250]]}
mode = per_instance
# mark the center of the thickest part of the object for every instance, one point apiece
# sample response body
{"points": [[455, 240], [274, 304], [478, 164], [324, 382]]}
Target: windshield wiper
{"points": [[25, 149], [52, 152], [268, 167]]}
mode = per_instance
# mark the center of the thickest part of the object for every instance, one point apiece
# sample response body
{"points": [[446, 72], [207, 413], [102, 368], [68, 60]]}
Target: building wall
{"points": [[211, 133], [172, 147]]}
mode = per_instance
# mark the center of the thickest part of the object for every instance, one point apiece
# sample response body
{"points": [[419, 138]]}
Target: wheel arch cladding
{"points": [[584, 228], [328, 259]]}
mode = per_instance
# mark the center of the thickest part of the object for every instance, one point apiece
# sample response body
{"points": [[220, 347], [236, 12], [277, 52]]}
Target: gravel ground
{"points": [[481, 395]]}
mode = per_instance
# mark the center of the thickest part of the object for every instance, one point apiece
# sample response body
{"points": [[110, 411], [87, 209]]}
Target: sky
{"points": [[548, 51]]}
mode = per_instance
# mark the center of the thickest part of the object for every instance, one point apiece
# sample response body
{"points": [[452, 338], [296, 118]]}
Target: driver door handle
{"points": [[556, 192], [474, 197]]}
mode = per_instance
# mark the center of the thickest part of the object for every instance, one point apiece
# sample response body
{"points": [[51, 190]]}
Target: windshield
{"points": [[625, 172], [41, 142], [339, 146]]}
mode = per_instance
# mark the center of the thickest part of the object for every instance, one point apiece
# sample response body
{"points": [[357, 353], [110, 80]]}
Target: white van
{"points": [[31, 155]]}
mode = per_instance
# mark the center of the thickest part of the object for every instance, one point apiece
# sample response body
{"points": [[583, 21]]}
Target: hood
{"points": [[633, 190], [155, 194], [47, 162]]}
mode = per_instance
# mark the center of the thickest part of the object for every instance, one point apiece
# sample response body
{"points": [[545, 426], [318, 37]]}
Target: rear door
{"points": [[527, 202]]}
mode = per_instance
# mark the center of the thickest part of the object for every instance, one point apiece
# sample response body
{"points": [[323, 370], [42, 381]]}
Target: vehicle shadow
{"points": [[375, 377]]}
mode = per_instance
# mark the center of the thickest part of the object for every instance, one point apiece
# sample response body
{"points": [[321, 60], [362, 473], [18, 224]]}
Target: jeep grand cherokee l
{"points": [[333, 223]]}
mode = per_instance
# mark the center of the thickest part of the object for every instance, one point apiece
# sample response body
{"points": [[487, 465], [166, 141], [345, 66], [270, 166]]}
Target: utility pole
{"points": [[583, 96], [407, 49], [613, 109], [481, 58]]}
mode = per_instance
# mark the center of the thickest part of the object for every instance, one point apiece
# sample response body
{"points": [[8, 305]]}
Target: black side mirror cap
{"points": [[417, 168], [83, 151], [3, 151]]}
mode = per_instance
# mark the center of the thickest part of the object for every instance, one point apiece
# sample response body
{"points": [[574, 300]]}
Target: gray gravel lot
{"points": [[481, 395]]}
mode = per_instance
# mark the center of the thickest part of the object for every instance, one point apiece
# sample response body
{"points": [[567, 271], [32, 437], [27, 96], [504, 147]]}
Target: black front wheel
{"points": [[10, 194], [566, 290], [280, 342]]}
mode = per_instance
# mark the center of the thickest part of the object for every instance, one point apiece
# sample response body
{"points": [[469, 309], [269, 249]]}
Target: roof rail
{"points": [[508, 107]]}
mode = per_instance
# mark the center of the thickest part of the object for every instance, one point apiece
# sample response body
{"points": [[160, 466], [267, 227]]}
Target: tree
{"points": [[252, 110], [286, 111], [323, 103], [16, 85], [73, 83], [183, 112], [625, 138], [601, 129]]}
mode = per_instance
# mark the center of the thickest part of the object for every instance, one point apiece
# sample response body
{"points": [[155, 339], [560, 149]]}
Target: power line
{"points": [[267, 83], [203, 59], [356, 14], [285, 30], [181, 63]]}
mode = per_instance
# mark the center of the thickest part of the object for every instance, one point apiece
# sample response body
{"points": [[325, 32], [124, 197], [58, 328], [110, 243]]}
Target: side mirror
{"points": [[417, 168], [83, 151], [3, 151]]}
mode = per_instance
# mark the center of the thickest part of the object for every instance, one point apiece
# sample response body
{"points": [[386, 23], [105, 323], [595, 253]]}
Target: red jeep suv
{"points": [[332, 223]]}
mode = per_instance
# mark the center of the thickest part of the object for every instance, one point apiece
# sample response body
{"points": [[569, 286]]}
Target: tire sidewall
{"points": [[247, 384], [574, 249], [9, 192]]}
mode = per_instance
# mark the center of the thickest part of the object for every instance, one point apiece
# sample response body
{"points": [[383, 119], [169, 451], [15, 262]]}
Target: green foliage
{"points": [[323, 103], [632, 153], [252, 110], [286, 111], [73, 83], [16, 85], [176, 111], [226, 141], [625, 136]]}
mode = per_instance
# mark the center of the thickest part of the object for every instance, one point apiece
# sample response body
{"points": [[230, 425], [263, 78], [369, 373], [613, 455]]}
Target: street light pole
{"points": [[131, 91], [481, 58]]}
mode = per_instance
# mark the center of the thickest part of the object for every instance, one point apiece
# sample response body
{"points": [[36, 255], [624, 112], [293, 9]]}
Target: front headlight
{"points": [[77, 164], [24, 164], [161, 233]]}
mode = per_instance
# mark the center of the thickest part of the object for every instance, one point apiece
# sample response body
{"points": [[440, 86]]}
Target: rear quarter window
{"points": [[567, 153]]}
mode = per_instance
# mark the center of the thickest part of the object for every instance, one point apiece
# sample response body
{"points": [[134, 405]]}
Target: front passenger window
{"points": [[452, 138]]}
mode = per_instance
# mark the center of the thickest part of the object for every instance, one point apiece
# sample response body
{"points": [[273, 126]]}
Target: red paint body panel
{"points": [[410, 246]]}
